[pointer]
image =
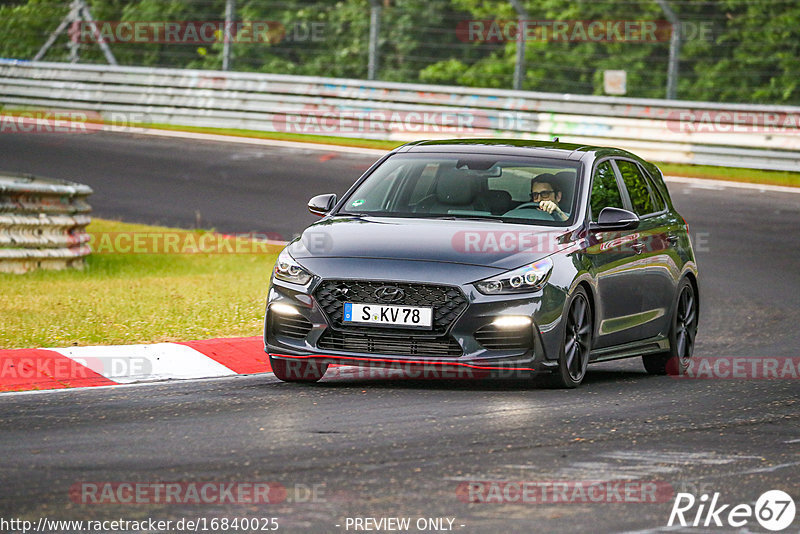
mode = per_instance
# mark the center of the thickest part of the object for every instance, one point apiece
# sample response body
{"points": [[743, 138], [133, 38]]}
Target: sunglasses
{"points": [[544, 194]]}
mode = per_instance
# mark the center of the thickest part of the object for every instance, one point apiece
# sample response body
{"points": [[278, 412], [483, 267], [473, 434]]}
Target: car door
{"points": [[656, 265], [612, 259]]}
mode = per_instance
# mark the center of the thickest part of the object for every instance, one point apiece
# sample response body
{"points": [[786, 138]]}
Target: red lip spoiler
{"points": [[407, 362]]}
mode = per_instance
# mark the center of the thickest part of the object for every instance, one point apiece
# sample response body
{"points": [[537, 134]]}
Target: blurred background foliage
{"points": [[732, 50]]}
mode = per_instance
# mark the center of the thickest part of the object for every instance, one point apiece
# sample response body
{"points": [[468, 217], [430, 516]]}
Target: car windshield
{"points": [[468, 186]]}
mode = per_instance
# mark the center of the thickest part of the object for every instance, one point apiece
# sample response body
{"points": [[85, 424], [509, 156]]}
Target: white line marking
{"points": [[126, 364], [656, 529], [770, 469], [679, 457], [4, 394], [253, 141]]}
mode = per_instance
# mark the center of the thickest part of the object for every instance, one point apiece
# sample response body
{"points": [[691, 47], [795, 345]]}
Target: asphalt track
{"points": [[401, 448]]}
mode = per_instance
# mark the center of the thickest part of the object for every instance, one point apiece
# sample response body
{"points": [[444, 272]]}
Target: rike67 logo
{"points": [[774, 510]]}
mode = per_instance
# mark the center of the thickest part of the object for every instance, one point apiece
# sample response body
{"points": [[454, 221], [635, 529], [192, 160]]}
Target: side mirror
{"points": [[322, 204], [615, 219]]}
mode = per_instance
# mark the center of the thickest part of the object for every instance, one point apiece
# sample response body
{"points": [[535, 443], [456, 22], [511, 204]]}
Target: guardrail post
{"points": [[519, 65], [374, 33]]}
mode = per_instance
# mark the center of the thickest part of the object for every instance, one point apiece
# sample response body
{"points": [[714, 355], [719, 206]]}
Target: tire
{"points": [[573, 357], [297, 370], [682, 333]]}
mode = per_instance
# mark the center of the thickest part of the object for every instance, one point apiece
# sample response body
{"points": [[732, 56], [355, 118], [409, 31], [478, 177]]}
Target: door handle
{"points": [[638, 247]]}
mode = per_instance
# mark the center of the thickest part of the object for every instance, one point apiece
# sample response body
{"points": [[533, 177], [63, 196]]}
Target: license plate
{"points": [[407, 316]]}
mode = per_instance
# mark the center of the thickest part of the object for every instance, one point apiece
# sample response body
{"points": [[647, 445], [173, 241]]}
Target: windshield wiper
{"points": [[468, 218]]}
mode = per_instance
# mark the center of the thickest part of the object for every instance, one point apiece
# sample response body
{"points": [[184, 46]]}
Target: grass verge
{"points": [[136, 298], [755, 176], [284, 136]]}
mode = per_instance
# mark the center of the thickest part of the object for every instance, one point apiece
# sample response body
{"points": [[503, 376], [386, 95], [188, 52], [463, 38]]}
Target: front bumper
{"points": [[305, 337]]}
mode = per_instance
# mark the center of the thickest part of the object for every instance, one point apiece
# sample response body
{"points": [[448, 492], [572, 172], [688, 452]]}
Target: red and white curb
{"points": [[61, 368]]}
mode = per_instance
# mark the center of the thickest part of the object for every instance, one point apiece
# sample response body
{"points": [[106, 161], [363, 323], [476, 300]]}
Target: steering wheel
{"points": [[531, 206]]}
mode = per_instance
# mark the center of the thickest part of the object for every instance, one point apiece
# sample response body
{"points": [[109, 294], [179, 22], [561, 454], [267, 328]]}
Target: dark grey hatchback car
{"points": [[493, 256]]}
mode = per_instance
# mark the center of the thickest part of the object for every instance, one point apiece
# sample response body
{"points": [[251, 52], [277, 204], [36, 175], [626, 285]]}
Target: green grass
{"points": [[732, 174], [136, 298], [284, 136]]}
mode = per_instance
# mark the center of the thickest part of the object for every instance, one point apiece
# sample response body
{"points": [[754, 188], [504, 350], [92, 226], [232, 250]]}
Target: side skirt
{"points": [[628, 350]]}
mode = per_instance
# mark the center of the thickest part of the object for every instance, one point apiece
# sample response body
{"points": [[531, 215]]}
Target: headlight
{"points": [[527, 278], [288, 270]]}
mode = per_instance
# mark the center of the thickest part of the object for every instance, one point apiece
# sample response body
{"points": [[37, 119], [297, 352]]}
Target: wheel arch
{"points": [[693, 280], [589, 289]]}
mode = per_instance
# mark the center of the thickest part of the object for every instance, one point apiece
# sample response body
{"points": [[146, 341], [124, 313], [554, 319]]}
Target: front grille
{"points": [[448, 303], [294, 326], [494, 338], [380, 344]]}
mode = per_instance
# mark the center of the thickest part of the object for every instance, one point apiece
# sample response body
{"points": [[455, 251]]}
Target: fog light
{"points": [[512, 321], [284, 309]]}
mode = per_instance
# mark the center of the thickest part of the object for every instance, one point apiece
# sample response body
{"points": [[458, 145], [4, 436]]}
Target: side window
{"points": [[659, 204], [637, 188], [605, 192]]}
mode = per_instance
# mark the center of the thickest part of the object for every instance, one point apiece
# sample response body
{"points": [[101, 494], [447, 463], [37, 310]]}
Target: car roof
{"points": [[515, 147]]}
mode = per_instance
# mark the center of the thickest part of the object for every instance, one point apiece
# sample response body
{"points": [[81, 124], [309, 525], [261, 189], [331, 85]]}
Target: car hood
{"points": [[488, 244]]}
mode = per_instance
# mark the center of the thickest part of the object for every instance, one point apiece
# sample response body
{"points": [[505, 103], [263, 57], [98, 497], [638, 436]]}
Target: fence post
{"points": [[374, 33], [78, 10], [230, 13], [519, 65], [674, 50]]}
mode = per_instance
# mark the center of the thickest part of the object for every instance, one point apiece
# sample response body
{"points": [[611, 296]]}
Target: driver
{"points": [[545, 191]]}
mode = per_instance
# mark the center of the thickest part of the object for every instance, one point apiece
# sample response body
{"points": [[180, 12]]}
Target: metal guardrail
{"points": [[662, 130], [42, 223]]}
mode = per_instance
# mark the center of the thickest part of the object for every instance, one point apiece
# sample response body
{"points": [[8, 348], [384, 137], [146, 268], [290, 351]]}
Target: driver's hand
{"points": [[548, 205], [552, 208]]}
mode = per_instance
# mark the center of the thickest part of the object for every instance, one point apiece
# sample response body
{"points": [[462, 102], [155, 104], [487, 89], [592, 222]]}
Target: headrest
{"points": [[499, 201], [565, 180], [454, 188]]}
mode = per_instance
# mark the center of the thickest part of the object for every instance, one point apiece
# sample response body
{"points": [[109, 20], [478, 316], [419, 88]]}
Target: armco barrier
{"points": [[42, 223], [662, 130]]}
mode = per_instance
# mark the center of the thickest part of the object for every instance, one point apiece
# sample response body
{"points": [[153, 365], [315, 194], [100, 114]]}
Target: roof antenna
{"points": [[555, 140]]}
